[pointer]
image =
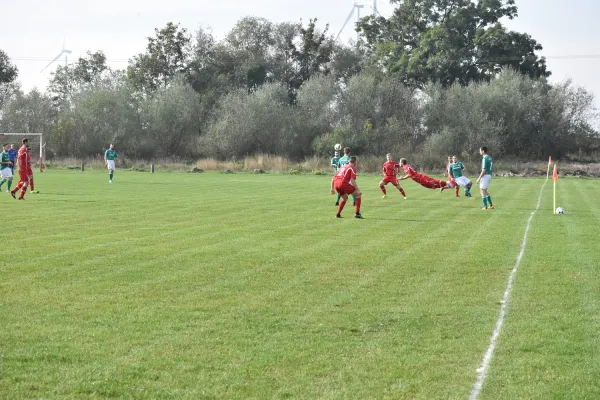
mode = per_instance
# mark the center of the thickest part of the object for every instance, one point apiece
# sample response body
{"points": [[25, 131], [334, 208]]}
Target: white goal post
{"points": [[21, 135]]}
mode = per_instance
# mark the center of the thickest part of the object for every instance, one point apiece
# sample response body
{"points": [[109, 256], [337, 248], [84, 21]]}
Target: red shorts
{"points": [[23, 176], [390, 179], [344, 188]]}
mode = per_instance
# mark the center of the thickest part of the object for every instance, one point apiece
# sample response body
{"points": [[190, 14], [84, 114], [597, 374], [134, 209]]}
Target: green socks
{"points": [[484, 201], [110, 176], [338, 198], [9, 184], [489, 199]]}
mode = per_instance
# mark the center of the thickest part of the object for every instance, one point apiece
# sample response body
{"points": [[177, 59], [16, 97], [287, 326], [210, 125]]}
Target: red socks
{"points": [[31, 183], [382, 189], [19, 186], [358, 201], [401, 191], [341, 206]]}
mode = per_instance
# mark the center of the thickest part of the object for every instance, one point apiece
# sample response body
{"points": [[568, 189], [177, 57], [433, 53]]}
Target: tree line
{"points": [[437, 77]]}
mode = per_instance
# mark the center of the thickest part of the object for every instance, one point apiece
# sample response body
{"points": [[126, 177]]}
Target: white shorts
{"points": [[110, 164], [462, 181], [485, 181], [6, 173]]}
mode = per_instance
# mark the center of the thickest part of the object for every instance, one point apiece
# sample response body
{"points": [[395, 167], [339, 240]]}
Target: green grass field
{"points": [[214, 286]]}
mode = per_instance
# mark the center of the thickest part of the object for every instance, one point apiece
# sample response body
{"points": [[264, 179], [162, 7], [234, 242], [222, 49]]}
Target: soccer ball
{"points": [[337, 147], [560, 210]]}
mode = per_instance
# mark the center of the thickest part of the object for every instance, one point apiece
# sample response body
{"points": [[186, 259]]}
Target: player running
{"points": [[335, 163], [456, 170], [422, 179], [24, 164], [5, 168], [109, 159], [485, 177], [390, 169], [344, 182], [450, 177], [344, 160]]}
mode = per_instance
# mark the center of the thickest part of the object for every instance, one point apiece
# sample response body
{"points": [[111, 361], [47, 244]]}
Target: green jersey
{"points": [[335, 163], [343, 161], [487, 164], [456, 169], [5, 159], [110, 154]]}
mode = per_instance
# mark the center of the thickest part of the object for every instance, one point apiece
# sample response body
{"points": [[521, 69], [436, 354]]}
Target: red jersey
{"points": [[24, 161], [391, 168], [345, 174], [410, 171]]}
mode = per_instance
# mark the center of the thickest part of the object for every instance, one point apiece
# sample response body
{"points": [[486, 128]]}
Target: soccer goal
{"points": [[35, 143]]}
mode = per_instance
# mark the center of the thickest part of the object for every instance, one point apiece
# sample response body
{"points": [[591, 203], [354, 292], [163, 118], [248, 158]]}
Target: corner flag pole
{"points": [[555, 179], [549, 163]]}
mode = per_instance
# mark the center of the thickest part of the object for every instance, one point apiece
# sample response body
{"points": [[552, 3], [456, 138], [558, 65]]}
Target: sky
{"points": [[33, 32]]}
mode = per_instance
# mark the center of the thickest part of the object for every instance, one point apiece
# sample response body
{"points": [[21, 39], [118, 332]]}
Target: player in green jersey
{"points": [[345, 159], [5, 168], [335, 160], [109, 159], [456, 171], [487, 168]]}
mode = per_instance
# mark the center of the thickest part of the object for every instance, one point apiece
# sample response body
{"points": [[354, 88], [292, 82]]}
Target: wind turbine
{"points": [[63, 51], [356, 7]]}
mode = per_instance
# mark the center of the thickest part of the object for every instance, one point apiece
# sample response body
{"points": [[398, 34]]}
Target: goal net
{"points": [[36, 146]]}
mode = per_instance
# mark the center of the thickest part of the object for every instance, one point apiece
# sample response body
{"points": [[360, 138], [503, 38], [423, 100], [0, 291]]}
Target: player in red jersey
{"points": [[390, 169], [422, 179], [450, 177], [24, 163], [344, 183]]}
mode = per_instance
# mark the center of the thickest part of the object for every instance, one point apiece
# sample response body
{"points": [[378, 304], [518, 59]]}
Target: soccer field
{"points": [[200, 286]]}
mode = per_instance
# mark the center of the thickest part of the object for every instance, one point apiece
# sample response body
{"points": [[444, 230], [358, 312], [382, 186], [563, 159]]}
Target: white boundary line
{"points": [[487, 358]]}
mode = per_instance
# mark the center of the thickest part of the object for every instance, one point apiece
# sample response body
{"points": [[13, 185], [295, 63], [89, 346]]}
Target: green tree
{"points": [[448, 41], [167, 55], [8, 77], [28, 113], [310, 55], [171, 121], [8, 72], [70, 79]]}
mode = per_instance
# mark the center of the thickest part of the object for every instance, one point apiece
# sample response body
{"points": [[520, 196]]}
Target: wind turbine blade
{"points": [[346, 23], [50, 63]]}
